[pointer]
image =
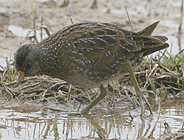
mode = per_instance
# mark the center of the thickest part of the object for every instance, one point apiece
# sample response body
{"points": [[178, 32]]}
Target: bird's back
{"points": [[89, 54]]}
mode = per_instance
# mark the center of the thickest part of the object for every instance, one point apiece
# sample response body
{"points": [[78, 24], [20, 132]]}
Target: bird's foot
{"points": [[103, 93]]}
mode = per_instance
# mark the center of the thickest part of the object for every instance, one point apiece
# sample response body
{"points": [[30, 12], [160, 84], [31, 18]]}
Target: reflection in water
{"points": [[117, 124]]}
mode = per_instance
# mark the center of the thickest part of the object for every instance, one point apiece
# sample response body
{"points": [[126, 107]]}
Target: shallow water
{"points": [[21, 32], [33, 123]]}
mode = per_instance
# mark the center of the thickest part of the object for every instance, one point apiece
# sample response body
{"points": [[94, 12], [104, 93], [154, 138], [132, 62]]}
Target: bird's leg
{"points": [[137, 89], [103, 93]]}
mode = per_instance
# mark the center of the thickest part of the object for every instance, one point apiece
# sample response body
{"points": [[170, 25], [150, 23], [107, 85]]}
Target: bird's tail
{"points": [[151, 43]]}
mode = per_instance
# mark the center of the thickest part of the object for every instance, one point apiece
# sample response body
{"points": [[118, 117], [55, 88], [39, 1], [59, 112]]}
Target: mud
{"points": [[30, 116], [142, 13]]}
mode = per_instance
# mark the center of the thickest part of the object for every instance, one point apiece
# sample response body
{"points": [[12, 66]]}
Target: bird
{"points": [[89, 55]]}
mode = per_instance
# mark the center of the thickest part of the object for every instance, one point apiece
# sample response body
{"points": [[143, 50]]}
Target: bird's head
{"points": [[27, 61]]}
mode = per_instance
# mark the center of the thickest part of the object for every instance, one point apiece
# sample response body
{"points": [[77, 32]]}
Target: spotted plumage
{"points": [[88, 54]]}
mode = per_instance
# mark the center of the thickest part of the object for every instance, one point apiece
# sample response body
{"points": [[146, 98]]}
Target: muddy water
{"points": [[22, 122], [35, 122]]}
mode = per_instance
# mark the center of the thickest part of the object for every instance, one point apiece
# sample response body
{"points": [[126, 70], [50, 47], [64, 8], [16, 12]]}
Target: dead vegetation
{"points": [[164, 78]]}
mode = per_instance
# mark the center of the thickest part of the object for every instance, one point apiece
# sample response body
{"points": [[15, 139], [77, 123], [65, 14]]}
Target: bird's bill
{"points": [[20, 76]]}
